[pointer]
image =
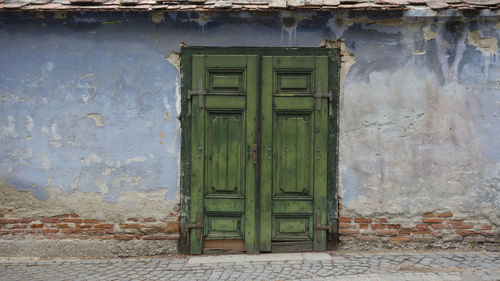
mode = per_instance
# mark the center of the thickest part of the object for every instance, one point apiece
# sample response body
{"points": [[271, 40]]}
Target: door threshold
{"points": [[244, 258]]}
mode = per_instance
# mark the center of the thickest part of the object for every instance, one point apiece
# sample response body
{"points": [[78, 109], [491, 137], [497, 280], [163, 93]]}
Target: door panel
{"points": [[292, 154]]}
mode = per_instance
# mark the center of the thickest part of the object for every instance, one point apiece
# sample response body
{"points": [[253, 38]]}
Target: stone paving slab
{"points": [[352, 266]]}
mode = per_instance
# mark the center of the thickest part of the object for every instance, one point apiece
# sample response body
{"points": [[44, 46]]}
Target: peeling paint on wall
{"points": [[487, 45], [97, 118]]}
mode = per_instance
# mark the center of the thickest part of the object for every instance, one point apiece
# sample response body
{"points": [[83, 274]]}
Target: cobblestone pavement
{"points": [[306, 266]]}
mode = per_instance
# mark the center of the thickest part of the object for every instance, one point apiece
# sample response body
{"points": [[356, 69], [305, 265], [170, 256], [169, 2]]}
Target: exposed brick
{"points": [[177, 208], [96, 231], [421, 231], [452, 238], [84, 225], [91, 221], [50, 220], [463, 226], [464, 232], [61, 216], [445, 215], [17, 231], [49, 230], [25, 220], [348, 231], [62, 225], [104, 225], [73, 215], [345, 225], [440, 226], [149, 220], [393, 226], [104, 237], [404, 238], [72, 230], [340, 207], [344, 219], [155, 237], [4, 232], [386, 232], [73, 220], [2, 215], [455, 221], [37, 225], [486, 227], [123, 237], [131, 225], [18, 226], [432, 220], [171, 227], [405, 231], [173, 236], [428, 215], [422, 226], [363, 226], [362, 220], [382, 220], [377, 226], [133, 219], [172, 215]]}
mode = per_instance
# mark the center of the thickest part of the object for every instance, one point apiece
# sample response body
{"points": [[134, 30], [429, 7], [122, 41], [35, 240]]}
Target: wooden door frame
{"points": [[185, 122]]}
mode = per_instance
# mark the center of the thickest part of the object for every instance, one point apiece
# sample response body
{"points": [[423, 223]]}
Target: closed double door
{"points": [[258, 153]]}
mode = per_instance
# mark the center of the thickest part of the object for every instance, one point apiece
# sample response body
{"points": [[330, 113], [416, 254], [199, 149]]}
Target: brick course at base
{"points": [[72, 226], [433, 227]]}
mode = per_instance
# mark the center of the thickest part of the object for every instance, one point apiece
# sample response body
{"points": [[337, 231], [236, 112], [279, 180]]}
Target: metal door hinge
{"points": [[319, 226], [319, 95], [198, 225], [254, 154], [200, 93]]}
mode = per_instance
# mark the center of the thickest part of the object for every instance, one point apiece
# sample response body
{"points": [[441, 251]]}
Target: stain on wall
{"points": [[88, 109]]}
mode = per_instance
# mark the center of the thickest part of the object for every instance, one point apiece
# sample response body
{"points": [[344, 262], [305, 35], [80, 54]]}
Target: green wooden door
{"points": [[290, 213]]}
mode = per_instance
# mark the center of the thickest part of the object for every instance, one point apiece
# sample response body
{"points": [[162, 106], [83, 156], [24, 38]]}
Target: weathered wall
{"points": [[88, 126]]}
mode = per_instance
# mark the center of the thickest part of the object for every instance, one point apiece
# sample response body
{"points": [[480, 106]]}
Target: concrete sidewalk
{"points": [[442, 265]]}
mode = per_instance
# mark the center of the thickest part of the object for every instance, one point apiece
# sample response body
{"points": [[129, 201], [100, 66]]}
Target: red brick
{"points": [[348, 231], [26, 220], [18, 226], [463, 226], [104, 225], [155, 237], [149, 220], [133, 219], [404, 231], [72, 230], [432, 220], [171, 227], [37, 225], [73, 215], [440, 226], [340, 207], [344, 219], [386, 232], [177, 208], [49, 230], [104, 237], [381, 220], [421, 231], [62, 225], [404, 238], [131, 225], [172, 215], [96, 231], [2, 215], [428, 215], [363, 226], [91, 221], [4, 232], [455, 221], [173, 236], [486, 227], [422, 226], [123, 237], [17, 231], [345, 225], [464, 232], [362, 220], [377, 226], [50, 220], [445, 215], [84, 225], [61, 216], [73, 220], [393, 226]]}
